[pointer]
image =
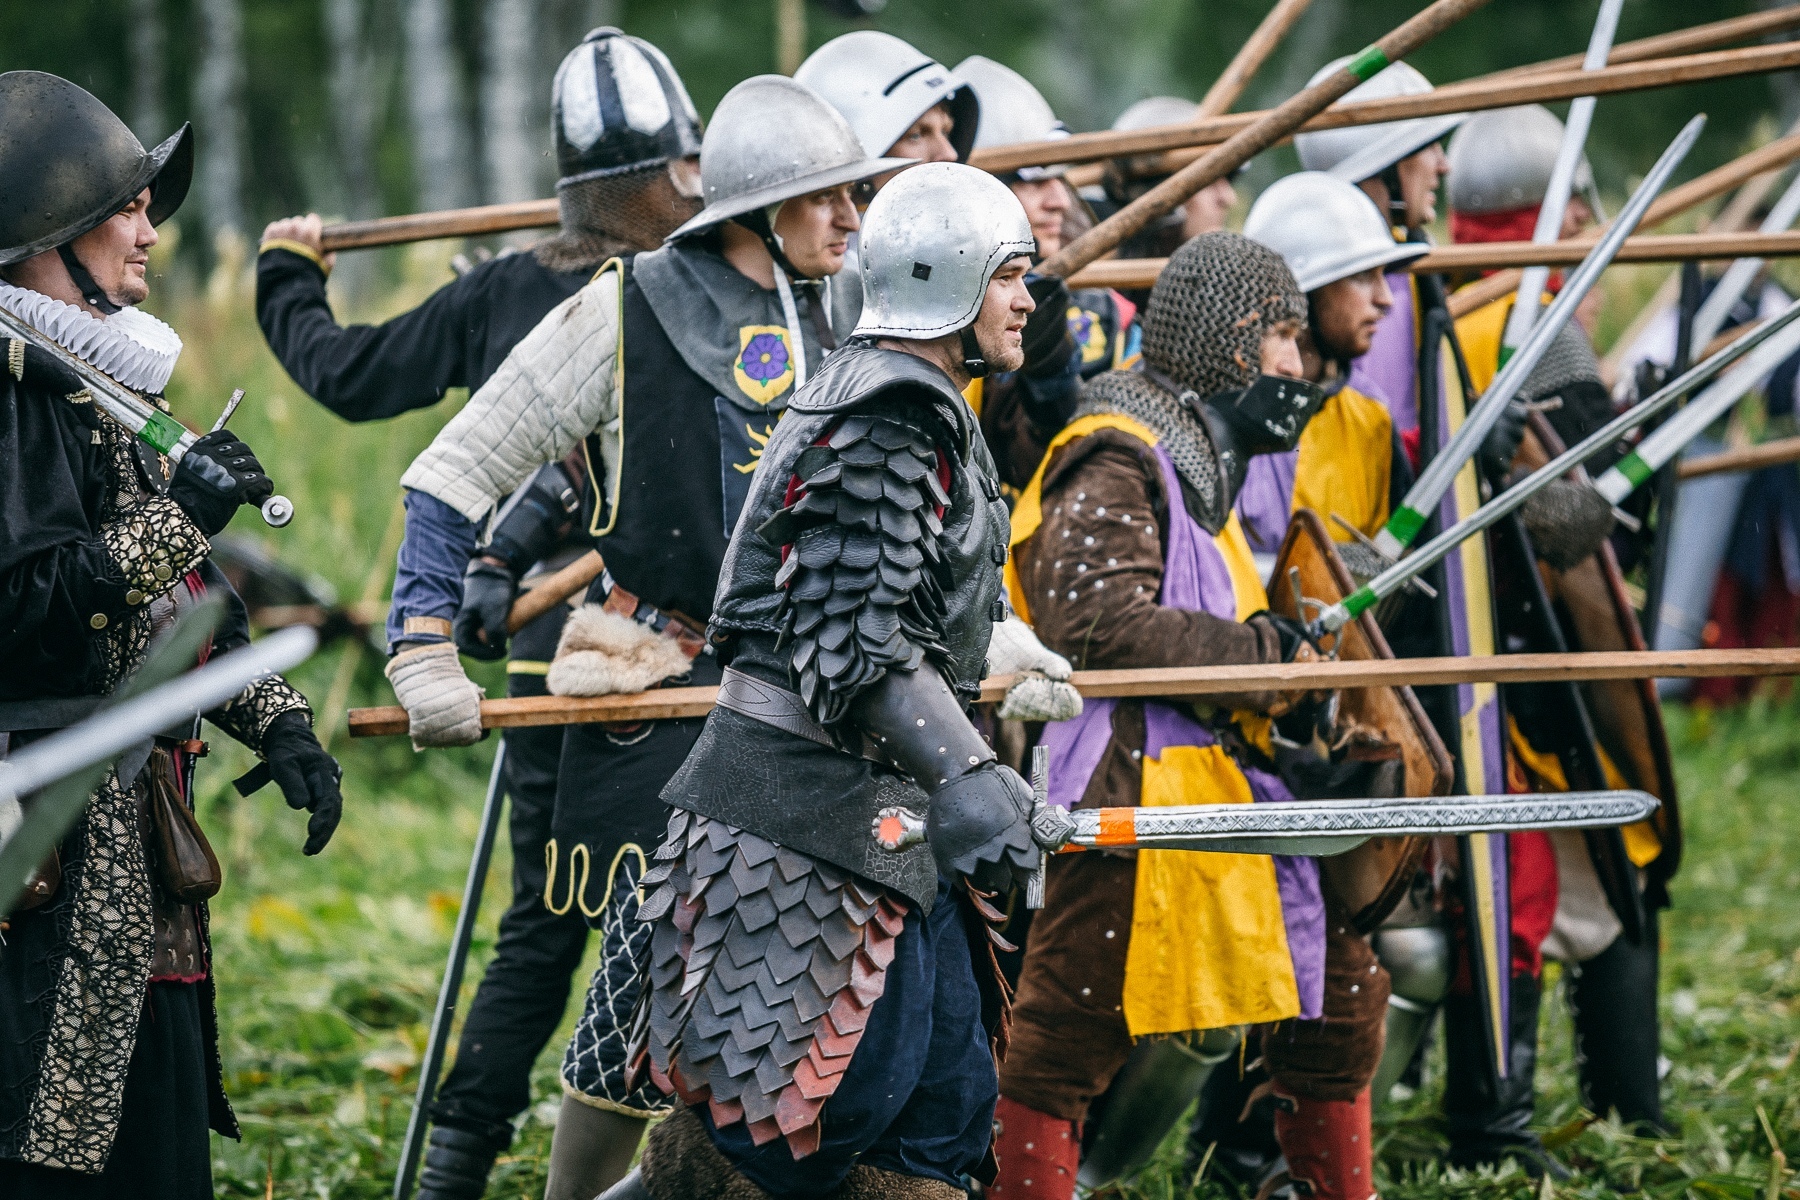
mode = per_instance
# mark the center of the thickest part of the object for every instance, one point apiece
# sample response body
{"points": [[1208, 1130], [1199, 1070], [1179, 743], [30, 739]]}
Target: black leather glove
{"points": [[215, 476], [480, 626], [979, 825], [308, 777], [1290, 634], [1502, 441], [1048, 344]]}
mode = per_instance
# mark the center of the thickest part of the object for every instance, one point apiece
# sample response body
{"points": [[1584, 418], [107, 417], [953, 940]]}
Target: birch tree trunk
{"points": [[511, 139], [219, 114], [148, 35], [355, 103], [442, 165]]}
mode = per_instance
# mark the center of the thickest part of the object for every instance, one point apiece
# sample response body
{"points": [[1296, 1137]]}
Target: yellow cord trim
{"points": [[526, 666], [292, 247], [611, 494]]}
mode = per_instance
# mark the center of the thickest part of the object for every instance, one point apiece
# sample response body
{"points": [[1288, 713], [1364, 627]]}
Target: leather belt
{"points": [[781, 709], [678, 629]]}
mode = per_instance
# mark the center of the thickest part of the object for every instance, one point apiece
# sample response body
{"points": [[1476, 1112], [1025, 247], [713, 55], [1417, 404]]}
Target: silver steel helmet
{"points": [[1364, 151], [1012, 111], [930, 242], [1155, 110], [1325, 229], [618, 105], [1501, 160], [772, 139], [882, 85]]}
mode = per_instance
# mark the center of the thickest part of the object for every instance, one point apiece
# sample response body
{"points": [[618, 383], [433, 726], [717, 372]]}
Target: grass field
{"points": [[328, 967]]}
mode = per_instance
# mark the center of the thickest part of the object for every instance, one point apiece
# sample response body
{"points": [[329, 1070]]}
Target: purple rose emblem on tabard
{"points": [[765, 358]]}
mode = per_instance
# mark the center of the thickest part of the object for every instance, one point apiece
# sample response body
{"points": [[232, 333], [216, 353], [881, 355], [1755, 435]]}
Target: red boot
{"points": [[1327, 1144], [1038, 1154]]}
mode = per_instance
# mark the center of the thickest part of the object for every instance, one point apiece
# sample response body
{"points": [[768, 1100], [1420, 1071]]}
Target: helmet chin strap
{"points": [[974, 361], [1397, 214], [90, 291]]}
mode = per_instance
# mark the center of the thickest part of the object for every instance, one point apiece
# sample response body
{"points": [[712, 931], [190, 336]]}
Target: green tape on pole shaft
{"points": [[1635, 469], [162, 431], [1405, 524], [1359, 602], [1369, 61]]}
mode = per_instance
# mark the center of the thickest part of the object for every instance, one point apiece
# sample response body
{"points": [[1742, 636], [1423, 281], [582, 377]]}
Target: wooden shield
{"points": [[1597, 615], [1374, 877]]}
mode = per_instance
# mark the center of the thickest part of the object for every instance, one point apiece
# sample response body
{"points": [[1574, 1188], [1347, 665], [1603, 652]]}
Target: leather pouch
{"points": [[185, 863]]}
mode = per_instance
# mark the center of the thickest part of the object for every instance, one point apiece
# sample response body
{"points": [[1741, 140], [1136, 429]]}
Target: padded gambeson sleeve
{"points": [[863, 574]]}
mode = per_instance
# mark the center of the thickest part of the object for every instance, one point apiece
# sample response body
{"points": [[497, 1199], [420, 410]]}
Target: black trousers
{"points": [[163, 1150], [523, 995]]}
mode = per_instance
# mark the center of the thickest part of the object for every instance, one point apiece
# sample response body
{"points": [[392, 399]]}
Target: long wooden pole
{"points": [[1777, 453], [1250, 57], [1739, 171], [1178, 683], [1176, 141], [1693, 39], [1488, 256], [1467, 96], [1254, 136]]}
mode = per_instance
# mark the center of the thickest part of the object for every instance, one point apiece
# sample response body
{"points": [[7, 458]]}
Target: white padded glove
{"points": [[441, 702], [1042, 691]]}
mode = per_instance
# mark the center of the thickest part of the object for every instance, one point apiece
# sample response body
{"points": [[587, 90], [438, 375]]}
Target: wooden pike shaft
{"points": [[1250, 57], [1468, 96], [1252, 137], [1739, 171], [1177, 683], [546, 593], [1486, 256], [1477, 93], [1777, 453]]}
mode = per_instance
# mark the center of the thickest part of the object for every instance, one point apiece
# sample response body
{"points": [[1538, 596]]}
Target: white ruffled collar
{"points": [[131, 345]]}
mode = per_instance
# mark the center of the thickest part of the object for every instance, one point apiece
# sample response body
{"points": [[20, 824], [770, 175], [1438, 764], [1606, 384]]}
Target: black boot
{"points": [[1490, 1120], [457, 1163], [1244, 1152], [1613, 998]]}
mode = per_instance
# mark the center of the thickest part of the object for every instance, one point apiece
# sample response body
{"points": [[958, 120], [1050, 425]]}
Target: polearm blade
{"points": [[1322, 828], [1737, 278], [1759, 352], [1655, 451], [148, 423], [1562, 181], [1438, 476]]}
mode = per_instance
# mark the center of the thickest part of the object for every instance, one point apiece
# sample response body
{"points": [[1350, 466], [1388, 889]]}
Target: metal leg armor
{"points": [[1158, 1082], [1418, 962], [1613, 998], [1236, 1126]]}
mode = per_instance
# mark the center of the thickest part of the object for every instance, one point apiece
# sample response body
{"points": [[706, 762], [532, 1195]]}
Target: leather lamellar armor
{"points": [[872, 540]]}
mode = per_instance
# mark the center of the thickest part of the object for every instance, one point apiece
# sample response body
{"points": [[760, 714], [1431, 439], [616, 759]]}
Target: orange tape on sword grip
{"points": [[1118, 827]]}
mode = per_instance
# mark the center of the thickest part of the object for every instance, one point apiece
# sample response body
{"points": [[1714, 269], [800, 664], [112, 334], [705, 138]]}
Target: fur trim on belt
{"points": [[604, 654]]}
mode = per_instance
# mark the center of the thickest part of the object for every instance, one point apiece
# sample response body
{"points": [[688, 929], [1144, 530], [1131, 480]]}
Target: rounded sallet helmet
{"points": [[1362, 152], [1012, 111], [617, 105], [930, 241], [1501, 160], [67, 163], [1325, 229], [882, 85], [772, 139]]}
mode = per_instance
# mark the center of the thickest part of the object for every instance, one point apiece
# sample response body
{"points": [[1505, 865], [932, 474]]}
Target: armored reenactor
{"points": [[1588, 899], [819, 980], [108, 1029], [627, 139], [1128, 554], [1349, 466], [665, 375]]}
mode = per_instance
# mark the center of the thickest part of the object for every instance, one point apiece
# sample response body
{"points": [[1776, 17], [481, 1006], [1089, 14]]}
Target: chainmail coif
{"points": [[1219, 296], [630, 210]]}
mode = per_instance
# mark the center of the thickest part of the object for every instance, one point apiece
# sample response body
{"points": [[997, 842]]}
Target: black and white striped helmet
{"points": [[618, 105]]}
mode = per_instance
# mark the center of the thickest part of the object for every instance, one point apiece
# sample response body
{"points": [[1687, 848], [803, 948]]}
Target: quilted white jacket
{"points": [[563, 381]]}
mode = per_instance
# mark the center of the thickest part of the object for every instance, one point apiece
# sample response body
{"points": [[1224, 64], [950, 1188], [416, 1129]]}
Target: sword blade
{"points": [[1322, 828]]}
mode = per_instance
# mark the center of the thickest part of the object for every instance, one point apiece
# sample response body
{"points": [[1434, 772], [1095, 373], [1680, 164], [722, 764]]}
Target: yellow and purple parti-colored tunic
{"points": [[1216, 939]]}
